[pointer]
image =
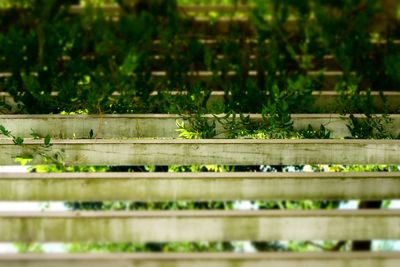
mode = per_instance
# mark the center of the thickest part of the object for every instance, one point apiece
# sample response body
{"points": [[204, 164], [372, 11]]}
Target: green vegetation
{"points": [[88, 57]]}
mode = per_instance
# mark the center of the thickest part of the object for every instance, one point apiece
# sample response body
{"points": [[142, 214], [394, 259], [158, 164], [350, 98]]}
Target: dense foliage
{"points": [[88, 56]]}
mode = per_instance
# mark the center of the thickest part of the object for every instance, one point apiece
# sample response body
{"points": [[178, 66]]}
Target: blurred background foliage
{"points": [[88, 56]]}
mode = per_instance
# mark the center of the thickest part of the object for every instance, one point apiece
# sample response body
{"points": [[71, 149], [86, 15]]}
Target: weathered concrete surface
{"points": [[198, 186], [154, 125], [309, 259], [165, 226], [207, 151]]}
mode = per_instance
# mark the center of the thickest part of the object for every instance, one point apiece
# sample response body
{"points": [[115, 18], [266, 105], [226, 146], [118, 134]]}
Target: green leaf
{"points": [[23, 160], [4, 131], [47, 140], [18, 141]]}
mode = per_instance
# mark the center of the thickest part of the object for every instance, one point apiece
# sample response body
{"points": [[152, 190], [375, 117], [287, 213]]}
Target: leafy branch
{"points": [[31, 152]]}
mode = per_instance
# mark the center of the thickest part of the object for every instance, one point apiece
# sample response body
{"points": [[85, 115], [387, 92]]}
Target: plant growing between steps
{"points": [[44, 150]]}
